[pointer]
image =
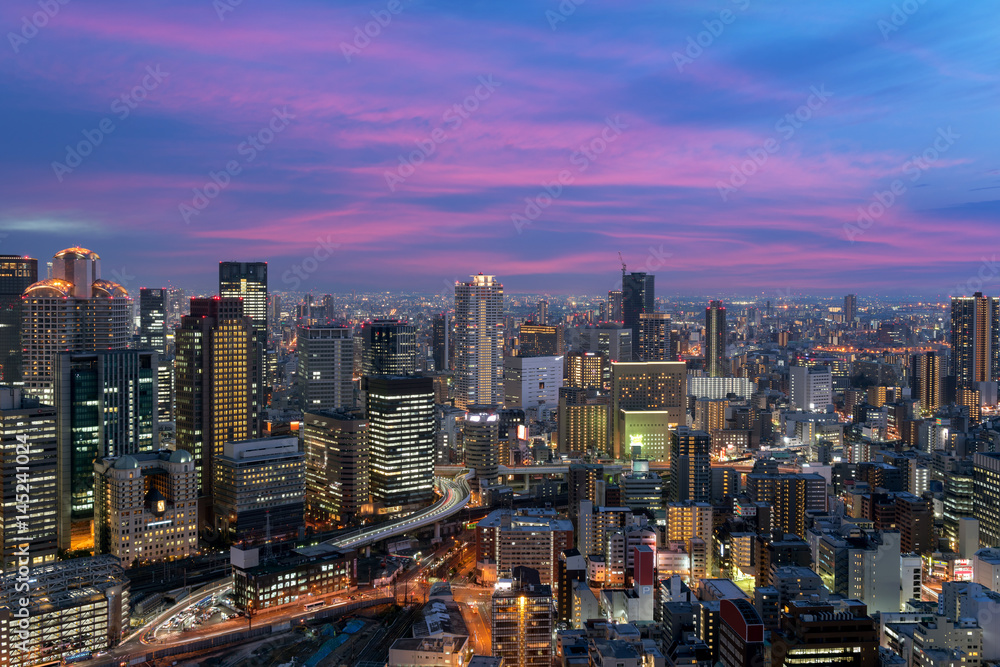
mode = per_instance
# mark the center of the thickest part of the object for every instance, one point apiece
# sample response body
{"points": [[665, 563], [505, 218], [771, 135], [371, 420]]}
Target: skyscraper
{"points": [[655, 386], [850, 308], [690, 465], [638, 297], [975, 338], [16, 274], [441, 343], [337, 465], [654, 337], [215, 370], [27, 457], [481, 438], [479, 342], [540, 340], [106, 407], [584, 422], [615, 305], [928, 378], [390, 347], [152, 319], [587, 370], [542, 312], [523, 619], [74, 311], [400, 412], [325, 367], [248, 281], [715, 340]]}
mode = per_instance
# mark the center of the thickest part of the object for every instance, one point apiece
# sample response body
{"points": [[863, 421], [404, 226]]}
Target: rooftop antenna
{"points": [[623, 268]]}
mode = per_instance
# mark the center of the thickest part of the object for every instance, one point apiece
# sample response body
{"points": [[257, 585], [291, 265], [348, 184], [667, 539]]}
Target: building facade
{"points": [[337, 466], [479, 342]]}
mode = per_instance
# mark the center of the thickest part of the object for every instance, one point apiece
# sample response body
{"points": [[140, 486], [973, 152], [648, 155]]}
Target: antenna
{"points": [[623, 272]]}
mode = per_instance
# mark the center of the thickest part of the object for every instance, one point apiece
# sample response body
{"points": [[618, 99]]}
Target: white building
{"points": [[326, 367], [532, 382], [986, 569], [811, 387], [706, 387], [146, 506]]}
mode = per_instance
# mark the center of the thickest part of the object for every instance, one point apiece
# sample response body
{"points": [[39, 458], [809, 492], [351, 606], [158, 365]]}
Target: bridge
{"points": [[455, 495]]}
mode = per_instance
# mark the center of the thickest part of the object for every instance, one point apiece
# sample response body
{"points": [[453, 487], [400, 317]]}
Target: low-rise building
{"points": [[307, 572]]}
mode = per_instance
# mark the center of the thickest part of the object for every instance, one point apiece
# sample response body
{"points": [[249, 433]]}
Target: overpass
{"points": [[455, 495]]}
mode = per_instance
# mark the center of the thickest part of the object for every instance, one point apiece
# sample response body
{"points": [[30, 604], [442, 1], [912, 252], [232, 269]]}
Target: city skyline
{"points": [[329, 203]]}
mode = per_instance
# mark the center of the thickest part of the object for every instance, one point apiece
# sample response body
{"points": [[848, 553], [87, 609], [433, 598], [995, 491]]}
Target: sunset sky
{"points": [[532, 140]]}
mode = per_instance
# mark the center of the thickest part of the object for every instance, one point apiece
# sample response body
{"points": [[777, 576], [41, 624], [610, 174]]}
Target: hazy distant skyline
{"points": [[670, 99]]}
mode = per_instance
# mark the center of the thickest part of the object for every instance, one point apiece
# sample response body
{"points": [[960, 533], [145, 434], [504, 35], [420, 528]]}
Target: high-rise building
{"points": [[584, 422], [532, 382], [73, 311], [260, 490], [690, 465], [146, 507], [479, 342], [400, 412], [850, 308], [928, 380], [715, 340], [811, 387], [975, 339], [615, 305], [441, 342], [481, 438], [106, 406], [638, 296], [523, 619], [248, 281], [16, 275], [654, 337], [646, 385], [529, 537], [542, 312], [612, 340], [153, 319], [27, 458], [215, 368], [587, 370], [790, 497], [337, 466], [986, 497], [540, 340], [389, 348], [325, 367]]}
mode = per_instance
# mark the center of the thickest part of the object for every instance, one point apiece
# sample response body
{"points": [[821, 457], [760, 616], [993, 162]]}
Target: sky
{"points": [[730, 146]]}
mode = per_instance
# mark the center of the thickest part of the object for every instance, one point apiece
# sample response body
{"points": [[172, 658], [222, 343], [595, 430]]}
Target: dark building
{"points": [[975, 339], [690, 465], [741, 634], [638, 296], [153, 319], [16, 274], [572, 567], [540, 340], [304, 574], [774, 551], [850, 308], [655, 337], [441, 342], [715, 340], [825, 634], [389, 348]]}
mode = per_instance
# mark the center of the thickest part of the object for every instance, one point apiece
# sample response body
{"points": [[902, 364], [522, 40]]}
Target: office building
{"points": [[441, 343], [645, 434], [304, 574], [153, 319], [146, 507], [646, 385], [536, 339], [74, 606], [690, 465], [400, 412], [986, 497], [215, 372], [655, 337], [811, 387], [706, 387], [863, 566], [481, 438], [825, 633], [584, 422], [325, 367], [850, 308], [640, 488], [107, 406], [542, 314], [715, 340], [389, 347], [638, 296], [615, 305], [247, 281], [74, 311], [337, 466], [587, 370], [975, 339], [612, 340], [260, 490], [16, 275], [27, 454], [531, 538], [479, 340], [522, 622], [532, 382]]}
